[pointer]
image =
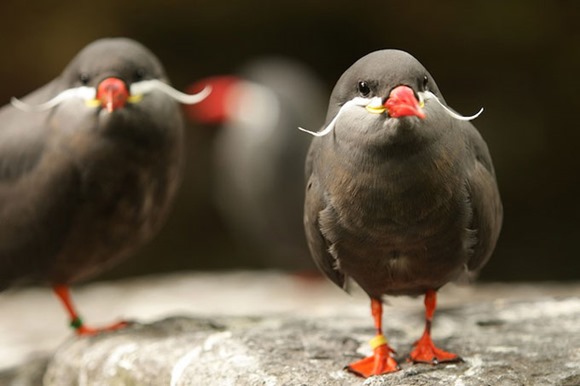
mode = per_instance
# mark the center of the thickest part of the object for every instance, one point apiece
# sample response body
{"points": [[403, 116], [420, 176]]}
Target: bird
{"points": [[258, 155], [89, 166], [401, 194]]}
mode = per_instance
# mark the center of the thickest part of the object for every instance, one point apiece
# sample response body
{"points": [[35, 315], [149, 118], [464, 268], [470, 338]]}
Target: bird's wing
{"points": [[314, 204], [23, 136], [38, 192], [483, 194]]}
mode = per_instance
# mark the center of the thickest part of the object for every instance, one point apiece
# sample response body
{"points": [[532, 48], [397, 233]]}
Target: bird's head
{"points": [[237, 101], [384, 89], [110, 74]]}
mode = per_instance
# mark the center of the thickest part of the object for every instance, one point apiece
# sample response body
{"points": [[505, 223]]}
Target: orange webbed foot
{"points": [[381, 362], [425, 351]]}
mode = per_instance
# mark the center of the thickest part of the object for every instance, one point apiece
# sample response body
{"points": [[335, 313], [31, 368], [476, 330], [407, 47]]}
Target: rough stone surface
{"points": [[304, 333]]}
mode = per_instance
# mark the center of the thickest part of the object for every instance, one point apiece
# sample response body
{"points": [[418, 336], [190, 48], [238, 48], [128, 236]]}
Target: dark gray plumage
{"points": [[400, 205], [80, 187]]}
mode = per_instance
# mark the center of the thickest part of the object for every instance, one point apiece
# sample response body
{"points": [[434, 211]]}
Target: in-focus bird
{"points": [[89, 166], [258, 155], [401, 194]]}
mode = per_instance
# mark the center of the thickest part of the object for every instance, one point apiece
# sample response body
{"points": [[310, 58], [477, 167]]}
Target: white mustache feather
{"points": [[86, 93], [429, 95], [376, 102], [146, 86], [89, 94], [358, 101]]}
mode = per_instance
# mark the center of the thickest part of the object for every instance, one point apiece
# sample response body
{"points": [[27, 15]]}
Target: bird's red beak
{"points": [[403, 103], [112, 93], [214, 108]]}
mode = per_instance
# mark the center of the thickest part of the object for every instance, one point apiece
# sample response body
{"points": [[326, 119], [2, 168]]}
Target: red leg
{"points": [[62, 292], [381, 362], [425, 350]]}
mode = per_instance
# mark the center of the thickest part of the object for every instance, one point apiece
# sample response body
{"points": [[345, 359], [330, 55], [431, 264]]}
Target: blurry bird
{"points": [[89, 166], [259, 155], [401, 194]]}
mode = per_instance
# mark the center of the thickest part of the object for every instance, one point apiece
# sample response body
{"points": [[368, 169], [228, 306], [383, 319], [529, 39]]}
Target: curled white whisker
{"points": [[358, 101], [322, 133], [83, 92], [430, 95], [88, 94], [146, 86]]}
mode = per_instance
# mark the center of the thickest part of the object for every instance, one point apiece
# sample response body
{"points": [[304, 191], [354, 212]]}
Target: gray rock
{"points": [[28, 374], [503, 341]]}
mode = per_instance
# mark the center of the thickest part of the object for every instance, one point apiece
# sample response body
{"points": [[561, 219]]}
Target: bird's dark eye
{"points": [[363, 88], [139, 74], [84, 78], [425, 82]]}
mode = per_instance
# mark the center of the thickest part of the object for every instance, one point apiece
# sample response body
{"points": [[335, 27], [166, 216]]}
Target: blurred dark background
{"points": [[518, 59]]}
